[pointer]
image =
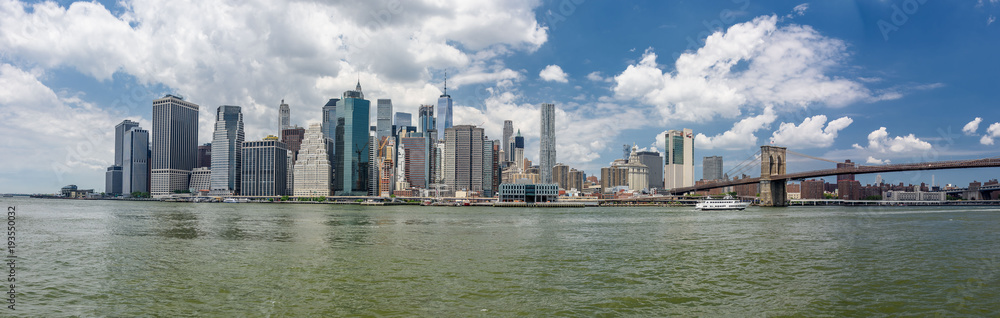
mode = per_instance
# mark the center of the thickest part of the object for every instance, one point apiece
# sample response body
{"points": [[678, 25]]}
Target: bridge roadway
{"points": [[938, 165]]}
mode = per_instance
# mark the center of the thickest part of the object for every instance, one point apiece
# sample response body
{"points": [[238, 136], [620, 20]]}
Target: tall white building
{"points": [[284, 117], [312, 167], [547, 149], [638, 173], [227, 142], [679, 170], [175, 144]]}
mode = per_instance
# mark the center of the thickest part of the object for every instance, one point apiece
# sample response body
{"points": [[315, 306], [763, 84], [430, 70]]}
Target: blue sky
{"points": [[822, 78]]}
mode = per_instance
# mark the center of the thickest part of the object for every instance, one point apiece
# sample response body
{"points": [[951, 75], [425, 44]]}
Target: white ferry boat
{"points": [[727, 203]]}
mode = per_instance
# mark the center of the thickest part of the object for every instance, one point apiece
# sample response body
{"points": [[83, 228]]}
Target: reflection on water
{"points": [[107, 258]]}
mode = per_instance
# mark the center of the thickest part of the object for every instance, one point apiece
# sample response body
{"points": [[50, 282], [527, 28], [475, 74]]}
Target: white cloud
{"points": [[992, 132], [971, 128], [800, 9], [595, 76], [254, 54], [990, 20], [553, 73], [740, 136], [879, 142], [750, 65], [872, 161], [810, 134]]}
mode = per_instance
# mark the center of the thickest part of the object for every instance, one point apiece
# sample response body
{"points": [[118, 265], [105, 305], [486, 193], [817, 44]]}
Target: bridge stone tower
{"points": [[772, 163]]}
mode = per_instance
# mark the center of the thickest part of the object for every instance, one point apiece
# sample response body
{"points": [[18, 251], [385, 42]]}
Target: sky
{"points": [[872, 81]]}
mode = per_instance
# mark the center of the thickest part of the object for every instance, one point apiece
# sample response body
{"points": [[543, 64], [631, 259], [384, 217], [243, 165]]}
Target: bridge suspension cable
{"points": [[743, 166], [816, 158]]}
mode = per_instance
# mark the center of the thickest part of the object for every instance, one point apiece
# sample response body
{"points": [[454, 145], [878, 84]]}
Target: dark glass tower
{"points": [[352, 155]]}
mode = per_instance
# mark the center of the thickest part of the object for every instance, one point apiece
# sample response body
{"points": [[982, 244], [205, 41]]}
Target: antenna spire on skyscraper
{"points": [[446, 82]]}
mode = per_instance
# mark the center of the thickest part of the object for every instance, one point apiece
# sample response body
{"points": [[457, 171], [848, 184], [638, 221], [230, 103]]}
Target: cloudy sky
{"points": [[876, 82]]}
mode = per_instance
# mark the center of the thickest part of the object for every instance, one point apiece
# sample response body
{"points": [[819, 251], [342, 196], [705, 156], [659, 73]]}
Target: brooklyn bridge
{"points": [[773, 174]]}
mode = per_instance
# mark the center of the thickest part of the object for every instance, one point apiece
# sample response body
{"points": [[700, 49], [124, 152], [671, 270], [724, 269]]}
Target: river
{"points": [[117, 258]]}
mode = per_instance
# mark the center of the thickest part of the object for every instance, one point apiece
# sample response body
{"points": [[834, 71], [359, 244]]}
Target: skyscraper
{"points": [[711, 168], [264, 168], [517, 156], [463, 158], [383, 118], [175, 144], [403, 119], [654, 166], [312, 168], [113, 181], [427, 121], [120, 130], [508, 131], [560, 175], [428, 128], [330, 118], [414, 151], [227, 142], [135, 162], [352, 142], [680, 159], [205, 155], [444, 110], [284, 116], [547, 149]]}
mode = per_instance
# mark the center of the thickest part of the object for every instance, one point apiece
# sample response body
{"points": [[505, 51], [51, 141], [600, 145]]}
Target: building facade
{"points": [[414, 151], [201, 181], [284, 116], [312, 167], [679, 170], [205, 155], [383, 118], [264, 168], [175, 144], [529, 192], [330, 118], [227, 140], [711, 168], [463, 158], [560, 175], [508, 132], [113, 181], [353, 144], [547, 148], [135, 162], [402, 119], [653, 161]]}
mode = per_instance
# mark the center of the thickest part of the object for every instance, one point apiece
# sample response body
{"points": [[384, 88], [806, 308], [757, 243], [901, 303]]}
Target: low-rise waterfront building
{"points": [[529, 192]]}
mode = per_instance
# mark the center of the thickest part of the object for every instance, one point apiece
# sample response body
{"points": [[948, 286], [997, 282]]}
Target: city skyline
{"points": [[861, 93]]}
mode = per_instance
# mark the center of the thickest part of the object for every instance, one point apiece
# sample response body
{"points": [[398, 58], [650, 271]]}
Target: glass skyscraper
{"points": [[352, 142], [227, 142], [444, 110]]}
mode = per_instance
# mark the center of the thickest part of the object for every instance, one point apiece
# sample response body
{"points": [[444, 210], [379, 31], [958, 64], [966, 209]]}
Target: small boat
{"points": [[233, 200], [727, 203]]}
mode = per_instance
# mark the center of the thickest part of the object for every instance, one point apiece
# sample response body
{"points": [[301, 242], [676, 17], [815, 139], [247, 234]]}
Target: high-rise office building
{"points": [[444, 107], [654, 166], [264, 168], [330, 118], [560, 175], [402, 119], [383, 118], [427, 120], [489, 165], [175, 144], [205, 155], [312, 167], [679, 170], [284, 116], [547, 148], [414, 151], [135, 162], [517, 156], [353, 144], [508, 132], [227, 141], [120, 130], [292, 138], [463, 158], [113, 181], [711, 168]]}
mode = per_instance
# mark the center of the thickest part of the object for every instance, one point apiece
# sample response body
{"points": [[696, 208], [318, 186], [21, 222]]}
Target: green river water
{"points": [[114, 258]]}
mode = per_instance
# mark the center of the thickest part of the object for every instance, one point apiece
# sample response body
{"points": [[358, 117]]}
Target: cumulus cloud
{"points": [[553, 73], [872, 161], [992, 132], [741, 136], [880, 142], [750, 65], [811, 133], [799, 10], [595, 76], [971, 128]]}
